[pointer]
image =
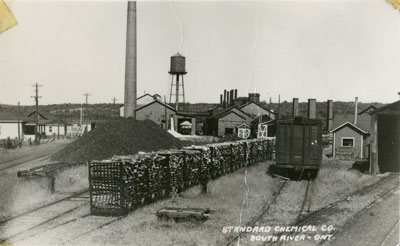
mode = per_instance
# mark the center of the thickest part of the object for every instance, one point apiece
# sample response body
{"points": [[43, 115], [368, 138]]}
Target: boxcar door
{"points": [[297, 145], [283, 144], [315, 144]]}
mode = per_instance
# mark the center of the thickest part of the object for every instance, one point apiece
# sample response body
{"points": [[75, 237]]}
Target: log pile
{"points": [[124, 183]]}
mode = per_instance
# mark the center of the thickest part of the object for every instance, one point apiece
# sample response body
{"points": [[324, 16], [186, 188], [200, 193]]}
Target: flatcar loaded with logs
{"points": [[298, 148]]}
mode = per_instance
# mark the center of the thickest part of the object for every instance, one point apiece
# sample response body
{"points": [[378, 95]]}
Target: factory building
{"points": [[156, 111], [234, 112], [228, 121]]}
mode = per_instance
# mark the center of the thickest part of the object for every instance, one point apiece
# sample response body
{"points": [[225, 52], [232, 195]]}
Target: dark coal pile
{"points": [[117, 137]]}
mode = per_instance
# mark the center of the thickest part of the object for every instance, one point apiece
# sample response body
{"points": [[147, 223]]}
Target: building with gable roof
{"points": [[351, 135], [227, 121]]}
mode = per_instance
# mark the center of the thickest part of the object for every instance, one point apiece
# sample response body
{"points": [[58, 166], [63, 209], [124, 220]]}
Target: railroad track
{"points": [[300, 212], [10, 164], [267, 209], [331, 207], [60, 224], [14, 220], [338, 229]]}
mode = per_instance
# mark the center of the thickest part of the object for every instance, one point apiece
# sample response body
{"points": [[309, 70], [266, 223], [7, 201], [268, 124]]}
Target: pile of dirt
{"points": [[117, 137]]}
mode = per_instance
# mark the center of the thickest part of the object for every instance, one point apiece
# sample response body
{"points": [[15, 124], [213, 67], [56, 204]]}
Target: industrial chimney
{"points": [[329, 115], [225, 102], [295, 109], [312, 108], [130, 63], [355, 110]]}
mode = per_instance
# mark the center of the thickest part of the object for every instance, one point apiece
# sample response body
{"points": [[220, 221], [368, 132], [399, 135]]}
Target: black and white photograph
{"points": [[199, 123]]}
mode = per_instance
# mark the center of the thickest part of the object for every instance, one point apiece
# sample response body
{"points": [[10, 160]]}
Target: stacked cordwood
{"points": [[148, 177]]}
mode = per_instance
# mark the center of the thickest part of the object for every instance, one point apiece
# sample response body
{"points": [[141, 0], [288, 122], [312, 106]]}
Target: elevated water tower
{"points": [[177, 71]]}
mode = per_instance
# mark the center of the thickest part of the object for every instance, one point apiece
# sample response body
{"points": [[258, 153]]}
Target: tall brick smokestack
{"points": [[329, 115], [232, 97], [228, 98], [130, 63], [295, 107], [221, 99], [312, 108], [225, 101]]}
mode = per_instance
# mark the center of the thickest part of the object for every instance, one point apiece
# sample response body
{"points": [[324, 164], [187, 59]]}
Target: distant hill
{"points": [[70, 112]]}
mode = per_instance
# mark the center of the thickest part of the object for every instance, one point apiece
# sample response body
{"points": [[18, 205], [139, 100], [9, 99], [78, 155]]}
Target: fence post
{"points": [[121, 184], [90, 187]]}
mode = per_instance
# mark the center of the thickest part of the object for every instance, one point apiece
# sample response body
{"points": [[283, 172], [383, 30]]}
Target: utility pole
{"points": [[114, 100], [85, 108], [58, 122], [279, 106], [19, 122], [165, 112], [37, 111]]}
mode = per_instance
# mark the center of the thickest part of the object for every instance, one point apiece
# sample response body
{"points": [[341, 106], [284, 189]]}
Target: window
{"points": [[228, 131], [50, 128], [347, 142]]}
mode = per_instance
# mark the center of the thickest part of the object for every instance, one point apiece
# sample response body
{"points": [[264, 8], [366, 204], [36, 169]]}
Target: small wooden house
{"points": [[351, 135], [349, 142]]}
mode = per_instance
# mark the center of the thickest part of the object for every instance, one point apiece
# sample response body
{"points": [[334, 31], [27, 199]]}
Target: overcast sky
{"points": [[307, 49]]}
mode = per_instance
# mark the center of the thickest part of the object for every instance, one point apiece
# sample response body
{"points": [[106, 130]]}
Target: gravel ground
{"points": [[21, 158], [376, 226], [225, 195]]}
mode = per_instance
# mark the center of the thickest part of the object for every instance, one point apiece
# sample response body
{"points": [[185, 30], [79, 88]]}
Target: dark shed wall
{"points": [[389, 143]]}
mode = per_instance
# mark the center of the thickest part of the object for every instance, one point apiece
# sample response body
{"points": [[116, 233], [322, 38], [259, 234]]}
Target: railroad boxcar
{"points": [[298, 146]]}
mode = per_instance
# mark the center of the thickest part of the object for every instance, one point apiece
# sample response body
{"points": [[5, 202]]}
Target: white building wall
{"points": [[9, 129], [53, 129]]}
